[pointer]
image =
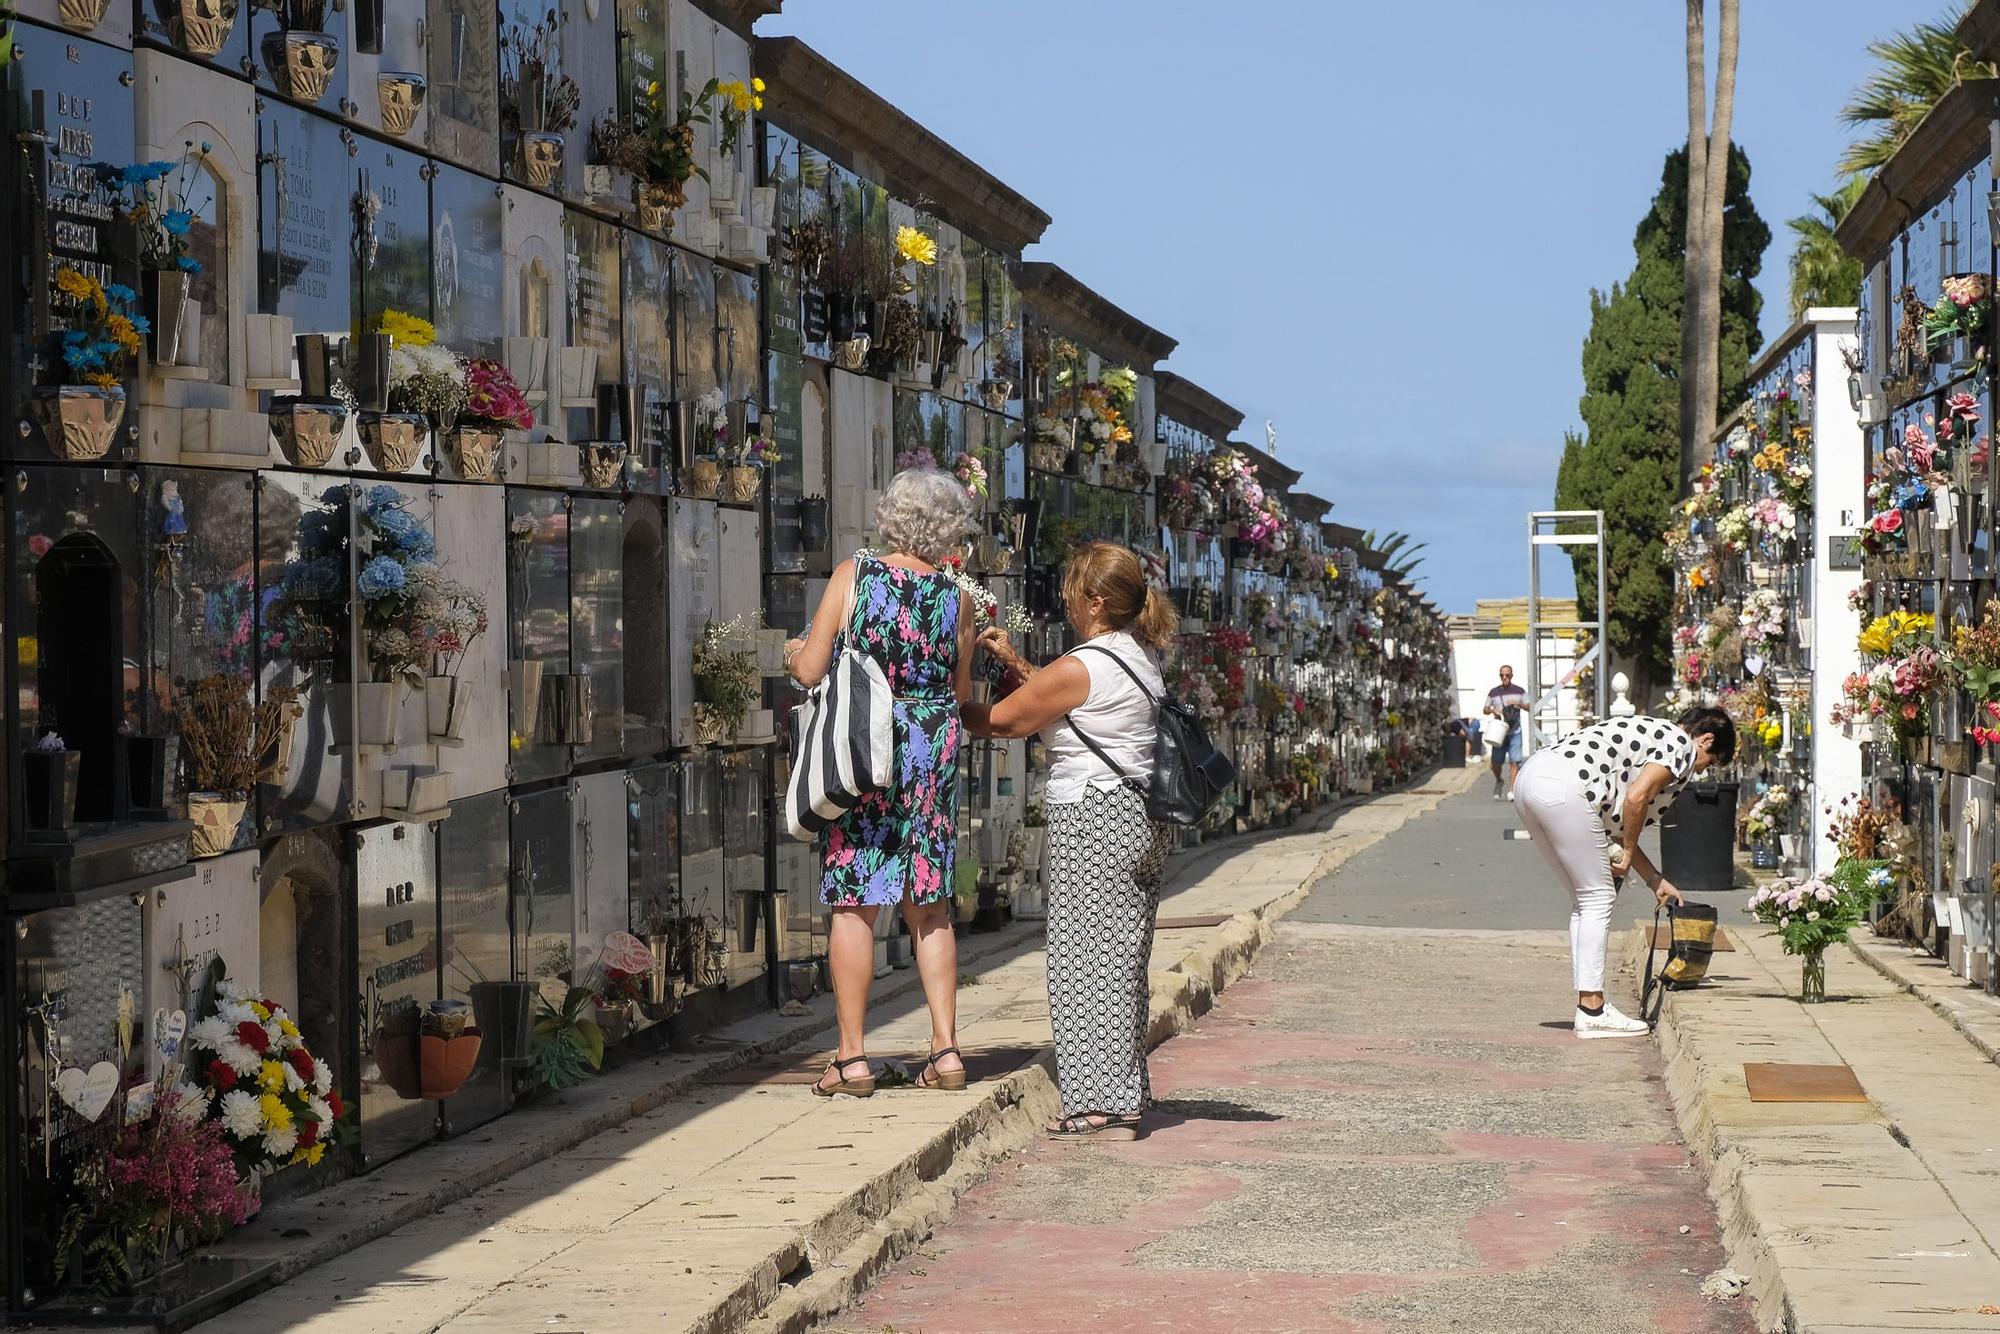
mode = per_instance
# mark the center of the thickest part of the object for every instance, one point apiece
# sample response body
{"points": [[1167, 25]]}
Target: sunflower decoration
{"points": [[916, 246]]}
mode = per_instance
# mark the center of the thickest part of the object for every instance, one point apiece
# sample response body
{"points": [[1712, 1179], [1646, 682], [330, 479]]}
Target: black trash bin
{"points": [[1698, 838], [1451, 751]]}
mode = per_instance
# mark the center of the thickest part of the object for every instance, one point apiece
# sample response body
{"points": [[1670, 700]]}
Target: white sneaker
{"points": [[1610, 1024], [1510, 794]]}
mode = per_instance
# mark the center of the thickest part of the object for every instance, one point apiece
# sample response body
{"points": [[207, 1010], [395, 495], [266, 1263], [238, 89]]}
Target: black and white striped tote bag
{"points": [[843, 739]]}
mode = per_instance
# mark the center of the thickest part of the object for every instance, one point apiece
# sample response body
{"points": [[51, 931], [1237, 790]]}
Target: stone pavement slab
{"points": [[1877, 1216], [723, 1202]]}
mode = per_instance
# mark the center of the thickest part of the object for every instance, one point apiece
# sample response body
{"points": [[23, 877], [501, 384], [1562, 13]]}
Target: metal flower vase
{"points": [[474, 451], [393, 439], [400, 97], [167, 309], [302, 63], [307, 433], [80, 420], [200, 27]]}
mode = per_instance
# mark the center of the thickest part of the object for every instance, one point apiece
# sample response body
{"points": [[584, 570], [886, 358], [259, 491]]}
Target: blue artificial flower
{"points": [[417, 545], [394, 521], [380, 577], [141, 323], [383, 494], [177, 221], [120, 294], [334, 495], [189, 264]]}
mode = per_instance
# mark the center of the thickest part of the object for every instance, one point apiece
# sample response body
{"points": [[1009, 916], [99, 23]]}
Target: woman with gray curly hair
{"points": [[896, 846]]}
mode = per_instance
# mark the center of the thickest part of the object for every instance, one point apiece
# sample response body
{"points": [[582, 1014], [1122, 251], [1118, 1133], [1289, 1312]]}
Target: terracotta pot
{"points": [[704, 479], [79, 420], [444, 1064], [393, 439], [307, 433], [215, 820], [739, 484], [399, 1059], [474, 450], [400, 96]]}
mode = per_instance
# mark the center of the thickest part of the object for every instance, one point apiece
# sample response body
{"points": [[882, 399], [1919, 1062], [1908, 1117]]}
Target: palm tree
{"points": [[1708, 182], [1917, 68], [1822, 273]]}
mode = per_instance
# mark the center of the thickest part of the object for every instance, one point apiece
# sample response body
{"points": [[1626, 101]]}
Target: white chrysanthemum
{"points": [[293, 1082], [190, 1102], [241, 1114], [235, 1012], [211, 1033], [238, 1057], [322, 1078], [324, 1111], [229, 990], [280, 1143]]}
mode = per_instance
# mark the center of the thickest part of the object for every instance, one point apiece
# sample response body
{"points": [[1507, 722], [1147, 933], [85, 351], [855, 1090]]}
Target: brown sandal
{"points": [[947, 1081], [853, 1088], [1094, 1125]]}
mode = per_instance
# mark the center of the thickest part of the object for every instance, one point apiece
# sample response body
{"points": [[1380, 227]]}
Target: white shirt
{"points": [[1118, 715], [1607, 757]]}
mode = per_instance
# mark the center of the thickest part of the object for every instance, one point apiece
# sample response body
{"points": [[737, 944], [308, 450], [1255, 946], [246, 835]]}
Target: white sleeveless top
{"points": [[1118, 715]]}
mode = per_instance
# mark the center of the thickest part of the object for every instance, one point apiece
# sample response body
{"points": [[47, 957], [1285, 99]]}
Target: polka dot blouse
{"points": [[1606, 759]]}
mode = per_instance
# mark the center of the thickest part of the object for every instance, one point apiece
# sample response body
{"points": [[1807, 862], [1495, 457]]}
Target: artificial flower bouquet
{"points": [[1960, 311]]}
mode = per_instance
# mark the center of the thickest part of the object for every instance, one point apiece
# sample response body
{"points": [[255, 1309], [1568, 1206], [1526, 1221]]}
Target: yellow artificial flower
{"points": [[315, 1153], [1876, 638], [653, 88], [123, 332], [915, 246], [408, 330], [261, 1010], [276, 1115], [271, 1077], [73, 282], [756, 85], [288, 1028], [102, 379]]}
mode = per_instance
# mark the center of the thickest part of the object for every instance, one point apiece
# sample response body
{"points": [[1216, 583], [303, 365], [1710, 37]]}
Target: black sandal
{"points": [[948, 1081], [1082, 1126], [853, 1088]]}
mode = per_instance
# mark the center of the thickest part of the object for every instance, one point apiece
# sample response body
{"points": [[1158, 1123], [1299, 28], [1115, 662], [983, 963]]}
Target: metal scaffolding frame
{"points": [[1544, 530]]}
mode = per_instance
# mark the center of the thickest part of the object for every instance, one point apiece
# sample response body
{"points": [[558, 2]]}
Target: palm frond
{"points": [[1915, 69]]}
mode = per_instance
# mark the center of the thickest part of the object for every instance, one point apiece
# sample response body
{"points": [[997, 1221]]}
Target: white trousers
{"points": [[1568, 830]]}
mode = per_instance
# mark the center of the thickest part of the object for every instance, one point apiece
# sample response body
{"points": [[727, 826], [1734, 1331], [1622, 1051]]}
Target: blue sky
{"points": [[1376, 225]]}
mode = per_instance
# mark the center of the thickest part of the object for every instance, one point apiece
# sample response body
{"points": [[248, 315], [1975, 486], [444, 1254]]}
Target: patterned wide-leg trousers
{"points": [[1105, 859]]}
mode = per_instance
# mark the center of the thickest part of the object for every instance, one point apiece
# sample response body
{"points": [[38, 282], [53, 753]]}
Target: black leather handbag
{"points": [[1189, 774]]}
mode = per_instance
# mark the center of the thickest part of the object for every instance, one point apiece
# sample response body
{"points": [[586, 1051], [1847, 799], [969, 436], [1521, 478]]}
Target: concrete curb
{"points": [[1011, 1115]]}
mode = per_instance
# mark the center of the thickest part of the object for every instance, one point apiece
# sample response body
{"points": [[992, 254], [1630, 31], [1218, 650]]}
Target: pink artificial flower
{"points": [[1922, 449]]}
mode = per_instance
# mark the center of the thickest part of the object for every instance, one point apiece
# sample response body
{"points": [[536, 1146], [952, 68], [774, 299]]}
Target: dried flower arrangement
{"points": [[224, 737]]}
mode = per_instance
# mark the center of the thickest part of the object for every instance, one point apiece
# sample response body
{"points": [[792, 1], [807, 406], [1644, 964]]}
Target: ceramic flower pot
{"points": [[216, 818], [302, 63], [996, 394], [307, 433], [704, 479], [474, 451], [444, 1064], [400, 96], [200, 27], [852, 354], [393, 439], [541, 157], [398, 1060], [79, 421], [710, 729], [82, 15], [739, 484], [48, 787]]}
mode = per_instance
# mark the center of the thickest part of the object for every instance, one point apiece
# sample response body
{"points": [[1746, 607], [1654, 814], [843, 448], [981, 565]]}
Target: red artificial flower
{"points": [[308, 1132], [252, 1035], [301, 1062], [333, 1101], [222, 1076]]}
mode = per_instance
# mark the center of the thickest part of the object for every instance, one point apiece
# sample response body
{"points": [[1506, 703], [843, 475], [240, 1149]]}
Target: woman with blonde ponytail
{"points": [[1096, 708]]}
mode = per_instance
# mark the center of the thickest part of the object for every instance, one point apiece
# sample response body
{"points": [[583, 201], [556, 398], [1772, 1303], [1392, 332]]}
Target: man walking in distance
{"points": [[1506, 704]]}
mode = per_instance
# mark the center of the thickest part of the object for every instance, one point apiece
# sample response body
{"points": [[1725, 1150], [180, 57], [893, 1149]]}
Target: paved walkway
{"points": [[1383, 1127], [749, 1198], [1880, 1215]]}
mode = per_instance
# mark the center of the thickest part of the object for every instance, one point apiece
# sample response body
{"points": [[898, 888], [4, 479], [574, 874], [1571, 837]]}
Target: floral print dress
{"points": [[904, 839]]}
